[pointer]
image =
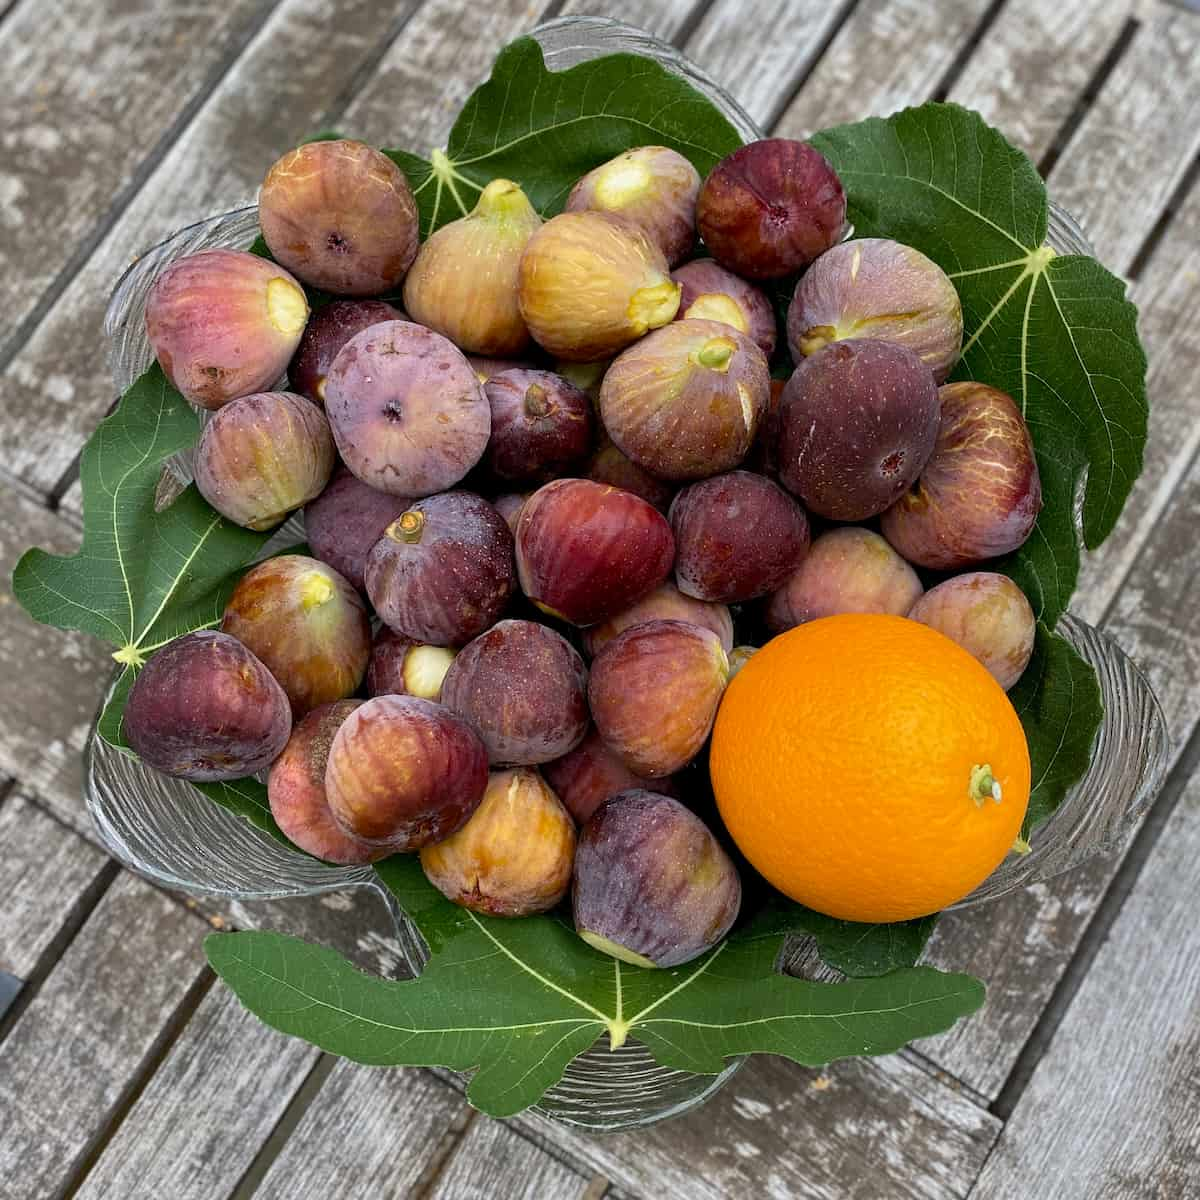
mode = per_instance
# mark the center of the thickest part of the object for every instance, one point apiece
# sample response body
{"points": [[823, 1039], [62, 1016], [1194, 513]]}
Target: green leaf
{"points": [[544, 129], [1056, 333], [515, 1000]]}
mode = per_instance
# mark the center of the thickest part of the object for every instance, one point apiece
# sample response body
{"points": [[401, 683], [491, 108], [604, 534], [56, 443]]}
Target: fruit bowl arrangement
{"points": [[651, 605]]}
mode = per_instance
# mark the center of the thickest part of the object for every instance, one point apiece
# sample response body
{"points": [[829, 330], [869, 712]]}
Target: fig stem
{"points": [[287, 306], [983, 784], [315, 590], [536, 402], [716, 353], [655, 306], [408, 527], [503, 200]]}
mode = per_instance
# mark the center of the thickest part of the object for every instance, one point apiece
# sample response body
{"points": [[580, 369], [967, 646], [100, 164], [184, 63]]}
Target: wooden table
{"points": [[125, 1072]]}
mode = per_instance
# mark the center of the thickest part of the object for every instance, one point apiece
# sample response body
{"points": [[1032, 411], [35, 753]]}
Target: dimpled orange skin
{"points": [[842, 761]]}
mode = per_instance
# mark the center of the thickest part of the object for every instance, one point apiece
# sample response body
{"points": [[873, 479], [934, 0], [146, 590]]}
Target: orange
{"points": [[869, 767]]}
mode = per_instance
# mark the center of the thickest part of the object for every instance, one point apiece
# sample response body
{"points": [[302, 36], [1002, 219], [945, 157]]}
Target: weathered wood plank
{"points": [[82, 1043], [663, 17]]}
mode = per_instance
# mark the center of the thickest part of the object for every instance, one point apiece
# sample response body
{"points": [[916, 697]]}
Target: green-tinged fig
{"points": [[586, 376], [711, 293], [665, 603], [327, 331], [541, 424], [401, 667], [739, 657], [609, 465]]}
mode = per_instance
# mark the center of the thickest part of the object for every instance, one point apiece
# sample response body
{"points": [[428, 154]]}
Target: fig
{"points": [[509, 507], [540, 425], [857, 423], [263, 456], [609, 465], [877, 288], [586, 376], [980, 493], [848, 570], [764, 454], [987, 615], [296, 790], [739, 657], [523, 688], [204, 708], [443, 570], [652, 886], [686, 400], [654, 691], [401, 667], [306, 624], [514, 856], [770, 208], [591, 283], [652, 186], [485, 368], [224, 323], [403, 772], [408, 414], [737, 536], [341, 216], [464, 281], [586, 552], [327, 331], [591, 773], [665, 603], [346, 520], [711, 293]]}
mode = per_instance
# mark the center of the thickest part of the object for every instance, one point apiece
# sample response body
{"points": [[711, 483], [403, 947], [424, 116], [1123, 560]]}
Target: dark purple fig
{"points": [[541, 424], [665, 603], [328, 330], [608, 465], [401, 667], [711, 293], [509, 507], [764, 454]]}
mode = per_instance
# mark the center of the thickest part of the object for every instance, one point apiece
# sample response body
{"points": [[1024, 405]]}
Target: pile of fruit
{"points": [[568, 446]]}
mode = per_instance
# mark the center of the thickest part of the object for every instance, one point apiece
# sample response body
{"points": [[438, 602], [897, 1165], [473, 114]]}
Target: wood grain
{"points": [[663, 17]]}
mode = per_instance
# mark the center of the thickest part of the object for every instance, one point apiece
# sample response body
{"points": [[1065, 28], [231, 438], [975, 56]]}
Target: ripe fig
{"points": [[739, 657], [509, 507], [296, 790], [847, 570], [341, 216], [404, 772], [591, 283], [263, 456], [401, 667], [540, 425], [523, 688], [857, 423], [770, 208], [485, 368], [586, 376], [327, 331], [610, 466], [654, 691], [514, 856], [980, 492], [306, 624], [652, 886], [764, 454], [877, 288], [586, 552], [737, 536], [652, 186], [204, 708], [711, 293], [986, 614], [443, 570], [685, 401], [224, 323], [665, 603], [408, 414]]}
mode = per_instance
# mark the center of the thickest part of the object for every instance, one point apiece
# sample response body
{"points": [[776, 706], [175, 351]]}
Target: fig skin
{"points": [[514, 856], [541, 424], [652, 886], [509, 507], [205, 709], [652, 186], [341, 216], [857, 424], [296, 790], [980, 492], [223, 324], [685, 402], [848, 570], [877, 288], [737, 536], [328, 330], [306, 624], [586, 552], [443, 570], [586, 376], [711, 293], [404, 772], [464, 281], [591, 774], [485, 368], [407, 411], [263, 456], [523, 688], [770, 208], [665, 603], [987, 615], [610, 466], [654, 691], [591, 283], [764, 454], [345, 521], [401, 667]]}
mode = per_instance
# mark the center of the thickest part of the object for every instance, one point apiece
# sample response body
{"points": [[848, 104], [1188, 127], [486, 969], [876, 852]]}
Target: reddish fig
{"points": [[540, 425], [764, 454], [665, 603], [711, 293], [328, 330], [608, 465], [401, 667], [591, 773]]}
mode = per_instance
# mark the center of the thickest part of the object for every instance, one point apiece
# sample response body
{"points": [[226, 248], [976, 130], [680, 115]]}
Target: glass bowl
{"points": [[166, 830]]}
